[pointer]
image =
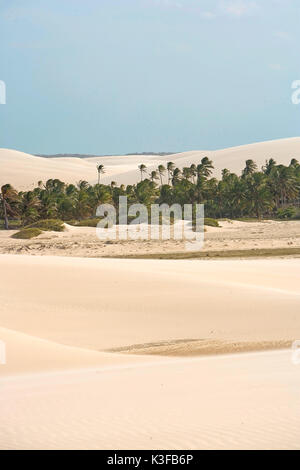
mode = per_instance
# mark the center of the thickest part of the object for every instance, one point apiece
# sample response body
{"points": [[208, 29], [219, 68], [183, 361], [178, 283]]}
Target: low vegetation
{"points": [[27, 233], [211, 222], [48, 225]]}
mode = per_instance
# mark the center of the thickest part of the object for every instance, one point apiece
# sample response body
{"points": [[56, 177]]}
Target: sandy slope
{"points": [[59, 390], [229, 402], [23, 170], [27, 354], [102, 304]]}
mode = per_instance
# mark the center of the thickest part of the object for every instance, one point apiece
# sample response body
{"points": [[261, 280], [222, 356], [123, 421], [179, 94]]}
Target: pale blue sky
{"points": [[118, 76]]}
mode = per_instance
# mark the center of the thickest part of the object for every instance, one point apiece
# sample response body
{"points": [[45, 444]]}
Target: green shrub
{"points": [[287, 213], [85, 223], [211, 222], [48, 225], [27, 233]]}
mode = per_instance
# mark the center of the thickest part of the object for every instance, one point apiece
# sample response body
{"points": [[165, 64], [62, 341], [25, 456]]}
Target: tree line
{"points": [[272, 191]]}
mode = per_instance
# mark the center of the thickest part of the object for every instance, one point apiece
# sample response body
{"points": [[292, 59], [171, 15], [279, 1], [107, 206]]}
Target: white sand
{"points": [[59, 390], [24, 171], [101, 303], [229, 402]]}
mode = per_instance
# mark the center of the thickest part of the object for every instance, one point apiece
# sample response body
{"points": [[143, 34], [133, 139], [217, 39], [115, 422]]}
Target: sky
{"points": [[120, 76]]}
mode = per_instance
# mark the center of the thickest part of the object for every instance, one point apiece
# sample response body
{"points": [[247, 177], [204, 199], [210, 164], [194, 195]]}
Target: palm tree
{"points": [[294, 163], [284, 184], [193, 170], [225, 174], [204, 169], [170, 169], [176, 176], [29, 206], [101, 171], [270, 164], [186, 173], [161, 172], [154, 175], [143, 169], [258, 194], [8, 195], [249, 169]]}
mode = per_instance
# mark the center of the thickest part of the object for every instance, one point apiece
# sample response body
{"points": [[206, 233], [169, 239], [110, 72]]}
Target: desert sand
{"points": [[121, 353], [80, 334], [24, 171], [230, 236]]}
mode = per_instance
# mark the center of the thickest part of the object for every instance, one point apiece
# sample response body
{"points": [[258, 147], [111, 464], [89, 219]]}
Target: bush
{"points": [[287, 213], [94, 222], [27, 233], [85, 223], [211, 222], [48, 225]]}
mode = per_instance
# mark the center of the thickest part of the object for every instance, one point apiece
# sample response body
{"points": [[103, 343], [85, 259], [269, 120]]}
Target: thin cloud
{"points": [[239, 8], [275, 67], [283, 35]]}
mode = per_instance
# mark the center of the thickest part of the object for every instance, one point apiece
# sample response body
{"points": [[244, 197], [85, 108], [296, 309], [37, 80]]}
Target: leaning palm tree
{"points": [[186, 173], [143, 170], [294, 163], [161, 172], [176, 176], [101, 171], [8, 195], [154, 176], [270, 164], [170, 169], [249, 169]]}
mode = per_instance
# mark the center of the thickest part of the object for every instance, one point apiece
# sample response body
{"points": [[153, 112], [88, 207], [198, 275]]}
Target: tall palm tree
{"points": [[258, 194], [161, 172], [193, 170], [294, 163], [284, 184], [186, 173], [204, 169], [154, 176], [249, 169], [170, 169], [176, 176], [270, 164], [101, 171], [143, 169], [8, 195], [29, 206]]}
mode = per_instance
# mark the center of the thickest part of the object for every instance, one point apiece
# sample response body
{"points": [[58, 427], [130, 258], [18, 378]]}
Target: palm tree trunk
{"points": [[5, 214]]}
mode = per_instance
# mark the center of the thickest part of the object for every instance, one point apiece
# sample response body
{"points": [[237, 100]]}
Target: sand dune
{"points": [[26, 355], [59, 390], [24, 171], [231, 402], [111, 303]]}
